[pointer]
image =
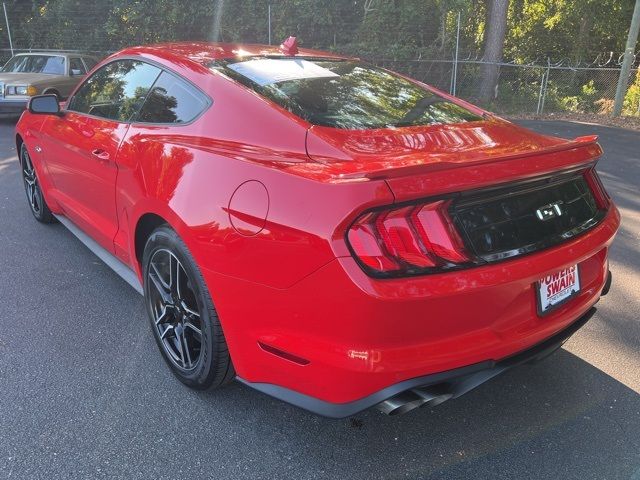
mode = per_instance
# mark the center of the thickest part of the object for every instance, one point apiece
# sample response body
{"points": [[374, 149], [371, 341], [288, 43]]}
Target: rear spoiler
{"points": [[590, 142]]}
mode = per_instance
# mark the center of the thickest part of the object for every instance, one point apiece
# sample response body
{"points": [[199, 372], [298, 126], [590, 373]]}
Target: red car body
{"points": [[265, 201]]}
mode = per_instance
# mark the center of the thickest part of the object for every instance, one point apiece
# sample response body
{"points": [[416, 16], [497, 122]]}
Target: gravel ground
{"points": [[84, 392]]}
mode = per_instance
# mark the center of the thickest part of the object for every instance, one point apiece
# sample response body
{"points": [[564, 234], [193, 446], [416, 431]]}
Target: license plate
{"points": [[556, 288]]}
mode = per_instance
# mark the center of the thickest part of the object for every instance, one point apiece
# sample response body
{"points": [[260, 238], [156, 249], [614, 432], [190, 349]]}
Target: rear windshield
{"points": [[343, 94], [49, 64]]}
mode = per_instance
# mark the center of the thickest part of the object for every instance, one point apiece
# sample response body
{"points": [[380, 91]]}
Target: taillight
{"points": [[603, 201], [400, 240], [409, 240], [438, 233], [365, 240]]}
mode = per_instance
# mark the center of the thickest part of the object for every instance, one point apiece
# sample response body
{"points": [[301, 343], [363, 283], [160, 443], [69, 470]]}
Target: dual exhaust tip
{"points": [[415, 398]]}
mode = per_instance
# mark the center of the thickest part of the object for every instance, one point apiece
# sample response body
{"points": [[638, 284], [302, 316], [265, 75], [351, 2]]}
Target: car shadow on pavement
{"points": [[560, 418]]}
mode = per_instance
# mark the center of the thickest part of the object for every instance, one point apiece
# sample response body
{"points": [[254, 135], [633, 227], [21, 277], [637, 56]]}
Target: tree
{"points": [[580, 30], [495, 32]]}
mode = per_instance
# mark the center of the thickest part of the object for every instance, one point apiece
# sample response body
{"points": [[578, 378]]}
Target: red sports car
{"points": [[323, 230]]}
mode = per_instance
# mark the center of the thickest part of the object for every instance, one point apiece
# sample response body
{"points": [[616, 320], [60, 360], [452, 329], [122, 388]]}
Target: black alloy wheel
{"points": [[175, 311], [38, 205], [184, 321]]}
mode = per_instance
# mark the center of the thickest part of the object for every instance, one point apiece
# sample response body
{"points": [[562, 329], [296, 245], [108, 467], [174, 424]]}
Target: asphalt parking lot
{"points": [[84, 392]]}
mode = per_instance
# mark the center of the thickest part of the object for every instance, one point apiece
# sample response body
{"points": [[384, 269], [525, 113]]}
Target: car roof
{"points": [[55, 54], [205, 52]]}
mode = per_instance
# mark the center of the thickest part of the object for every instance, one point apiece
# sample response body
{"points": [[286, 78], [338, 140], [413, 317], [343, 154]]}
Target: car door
{"points": [[80, 146]]}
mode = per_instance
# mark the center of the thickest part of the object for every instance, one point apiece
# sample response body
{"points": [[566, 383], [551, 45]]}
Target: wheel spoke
{"points": [[156, 280], [174, 274], [179, 271], [164, 315], [181, 349], [192, 313], [166, 285], [187, 354], [35, 198], [194, 329], [166, 331]]}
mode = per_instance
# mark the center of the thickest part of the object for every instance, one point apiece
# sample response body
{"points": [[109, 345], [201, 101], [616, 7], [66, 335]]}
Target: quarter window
{"points": [[89, 62], [172, 100], [76, 67], [115, 91]]}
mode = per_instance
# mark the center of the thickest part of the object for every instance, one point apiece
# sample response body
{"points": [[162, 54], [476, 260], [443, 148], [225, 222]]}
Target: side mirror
{"points": [[76, 72], [44, 105]]}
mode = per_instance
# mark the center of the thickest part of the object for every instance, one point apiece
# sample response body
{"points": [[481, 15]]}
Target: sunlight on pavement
{"points": [[601, 342], [4, 164]]}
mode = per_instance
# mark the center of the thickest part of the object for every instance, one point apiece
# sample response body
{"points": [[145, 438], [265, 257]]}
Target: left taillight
{"points": [[408, 240]]}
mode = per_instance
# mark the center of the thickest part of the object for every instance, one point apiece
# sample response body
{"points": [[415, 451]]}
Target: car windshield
{"points": [[48, 64], [343, 94]]}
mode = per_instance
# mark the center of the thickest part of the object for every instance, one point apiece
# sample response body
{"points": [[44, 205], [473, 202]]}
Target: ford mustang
{"points": [[325, 231]]}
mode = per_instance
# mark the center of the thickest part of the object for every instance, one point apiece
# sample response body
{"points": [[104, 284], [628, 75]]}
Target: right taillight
{"points": [[409, 240], [597, 189]]}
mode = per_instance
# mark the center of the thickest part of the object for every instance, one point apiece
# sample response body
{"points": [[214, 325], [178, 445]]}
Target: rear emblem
{"points": [[550, 211]]}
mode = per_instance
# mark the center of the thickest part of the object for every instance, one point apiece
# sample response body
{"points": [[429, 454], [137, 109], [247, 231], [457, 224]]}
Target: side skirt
{"points": [[107, 257]]}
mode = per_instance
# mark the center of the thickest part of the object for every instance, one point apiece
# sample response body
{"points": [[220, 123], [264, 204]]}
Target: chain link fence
{"points": [[7, 53], [433, 37], [528, 89]]}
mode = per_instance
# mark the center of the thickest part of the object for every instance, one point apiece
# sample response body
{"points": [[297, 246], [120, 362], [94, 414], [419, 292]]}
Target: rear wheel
{"points": [[182, 315], [38, 206]]}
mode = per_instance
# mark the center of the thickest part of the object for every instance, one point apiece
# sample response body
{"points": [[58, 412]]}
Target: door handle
{"points": [[101, 154]]}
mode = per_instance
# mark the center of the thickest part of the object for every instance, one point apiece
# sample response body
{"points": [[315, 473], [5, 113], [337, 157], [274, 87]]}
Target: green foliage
{"points": [[577, 30], [631, 104], [401, 29], [566, 29]]}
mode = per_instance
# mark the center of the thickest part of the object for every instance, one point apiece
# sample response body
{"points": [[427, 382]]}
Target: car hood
{"points": [[25, 78], [435, 146]]}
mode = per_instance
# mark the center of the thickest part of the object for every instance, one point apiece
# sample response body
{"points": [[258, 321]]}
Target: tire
{"points": [[181, 313], [35, 197]]}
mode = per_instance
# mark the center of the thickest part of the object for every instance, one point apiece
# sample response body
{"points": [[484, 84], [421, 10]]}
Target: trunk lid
{"points": [[423, 161], [498, 191]]}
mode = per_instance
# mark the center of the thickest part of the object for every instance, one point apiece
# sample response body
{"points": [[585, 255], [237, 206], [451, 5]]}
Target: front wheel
{"points": [[182, 315], [38, 205]]}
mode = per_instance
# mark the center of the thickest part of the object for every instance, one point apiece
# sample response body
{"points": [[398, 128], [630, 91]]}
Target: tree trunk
{"points": [[495, 32]]}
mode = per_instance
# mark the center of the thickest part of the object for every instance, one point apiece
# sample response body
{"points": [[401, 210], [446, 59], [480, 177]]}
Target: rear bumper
{"points": [[455, 382], [345, 337]]}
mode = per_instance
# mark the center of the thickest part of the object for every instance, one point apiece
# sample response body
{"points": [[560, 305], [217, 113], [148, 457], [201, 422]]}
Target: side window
{"points": [[172, 100], [53, 65], [115, 91], [76, 67], [89, 62]]}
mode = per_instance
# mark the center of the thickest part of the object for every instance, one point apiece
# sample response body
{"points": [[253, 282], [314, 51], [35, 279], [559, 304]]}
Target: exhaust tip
{"points": [[434, 396], [411, 399], [402, 403]]}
